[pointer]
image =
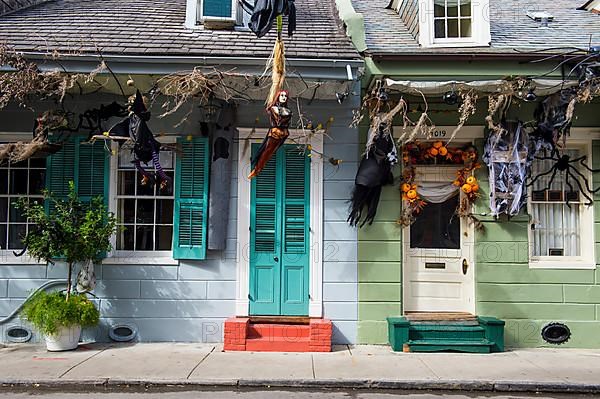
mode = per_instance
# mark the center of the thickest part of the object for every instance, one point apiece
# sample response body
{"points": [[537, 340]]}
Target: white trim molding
{"points": [[242, 303]]}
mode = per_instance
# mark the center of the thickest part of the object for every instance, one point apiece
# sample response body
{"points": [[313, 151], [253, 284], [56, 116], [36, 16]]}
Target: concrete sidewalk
{"points": [[368, 367]]}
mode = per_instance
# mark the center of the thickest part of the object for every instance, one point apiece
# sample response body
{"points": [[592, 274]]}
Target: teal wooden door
{"points": [[279, 235]]}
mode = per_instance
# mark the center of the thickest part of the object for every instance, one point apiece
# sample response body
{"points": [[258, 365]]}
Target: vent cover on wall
{"points": [[556, 333]]}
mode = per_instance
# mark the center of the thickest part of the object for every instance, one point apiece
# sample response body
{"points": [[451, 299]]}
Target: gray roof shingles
{"points": [[511, 28], [156, 27]]}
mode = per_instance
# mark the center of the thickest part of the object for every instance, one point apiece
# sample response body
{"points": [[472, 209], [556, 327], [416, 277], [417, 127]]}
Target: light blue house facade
{"points": [[176, 273]]}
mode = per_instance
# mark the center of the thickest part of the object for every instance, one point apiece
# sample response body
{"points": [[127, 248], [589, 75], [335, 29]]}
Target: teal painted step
{"points": [[484, 336], [445, 332], [447, 345]]}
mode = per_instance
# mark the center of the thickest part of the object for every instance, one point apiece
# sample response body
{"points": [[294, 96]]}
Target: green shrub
{"points": [[48, 311]]}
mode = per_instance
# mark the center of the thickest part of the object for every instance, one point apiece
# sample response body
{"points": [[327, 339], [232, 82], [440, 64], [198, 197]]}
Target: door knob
{"points": [[276, 259], [465, 266]]}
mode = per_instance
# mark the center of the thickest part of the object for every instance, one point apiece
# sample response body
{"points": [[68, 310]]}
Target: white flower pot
{"points": [[66, 338]]}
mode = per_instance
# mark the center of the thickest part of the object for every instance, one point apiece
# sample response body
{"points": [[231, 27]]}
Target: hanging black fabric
{"points": [[374, 171], [265, 12]]}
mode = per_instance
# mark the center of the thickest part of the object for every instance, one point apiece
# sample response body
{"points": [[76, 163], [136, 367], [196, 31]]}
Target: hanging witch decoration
{"points": [[145, 147], [264, 14]]}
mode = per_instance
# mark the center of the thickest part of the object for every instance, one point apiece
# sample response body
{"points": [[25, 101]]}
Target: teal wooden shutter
{"points": [[61, 168], [191, 200], [87, 165], [217, 8], [265, 228], [93, 169], [296, 239]]}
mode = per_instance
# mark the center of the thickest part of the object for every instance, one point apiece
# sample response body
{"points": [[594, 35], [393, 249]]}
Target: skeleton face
{"points": [[283, 97]]}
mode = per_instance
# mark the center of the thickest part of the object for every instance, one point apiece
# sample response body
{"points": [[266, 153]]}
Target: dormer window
{"points": [[454, 23], [452, 19], [215, 14], [446, 23]]}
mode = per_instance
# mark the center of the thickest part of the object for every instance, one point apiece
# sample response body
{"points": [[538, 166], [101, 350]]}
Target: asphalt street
{"points": [[271, 394]]}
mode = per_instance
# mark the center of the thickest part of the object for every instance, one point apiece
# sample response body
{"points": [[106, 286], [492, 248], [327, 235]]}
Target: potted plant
{"points": [[60, 319], [71, 231]]}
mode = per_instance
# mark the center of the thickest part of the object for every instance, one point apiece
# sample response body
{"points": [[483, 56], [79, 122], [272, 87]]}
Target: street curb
{"points": [[400, 385]]}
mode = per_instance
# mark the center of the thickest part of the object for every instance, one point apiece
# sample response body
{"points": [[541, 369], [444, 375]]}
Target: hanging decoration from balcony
{"points": [[375, 168], [416, 195], [264, 14], [145, 147], [507, 155], [38, 146]]}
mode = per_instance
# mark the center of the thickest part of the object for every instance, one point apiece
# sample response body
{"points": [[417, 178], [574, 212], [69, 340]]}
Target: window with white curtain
{"points": [[560, 222]]}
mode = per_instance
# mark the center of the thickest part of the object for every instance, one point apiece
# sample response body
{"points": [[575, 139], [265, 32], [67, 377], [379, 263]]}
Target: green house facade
{"points": [[508, 268]]}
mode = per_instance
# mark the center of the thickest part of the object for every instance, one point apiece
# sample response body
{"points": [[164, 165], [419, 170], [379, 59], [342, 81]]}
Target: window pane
{"points": [[452, 9], [164, 211], [465, 8], [37, 181], [164, 236], [37, 163], [126, 185], [143, 239], [168, 190], [3, 209], [16, 215], [125, 158], [3, 236], [440, 28], [465, 27], [144, 189], [15, 233], [452, 27], [3, 181], [126, 211], [437, 226], [166, 159], [18, 181], [125, 238], [439, 9], [145, 211]]}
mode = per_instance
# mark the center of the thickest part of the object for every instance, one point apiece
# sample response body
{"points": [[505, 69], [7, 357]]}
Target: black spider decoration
{"points": [[564, 163]]}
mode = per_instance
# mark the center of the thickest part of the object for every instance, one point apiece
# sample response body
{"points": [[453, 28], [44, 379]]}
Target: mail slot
{"points": [[432, 265]]}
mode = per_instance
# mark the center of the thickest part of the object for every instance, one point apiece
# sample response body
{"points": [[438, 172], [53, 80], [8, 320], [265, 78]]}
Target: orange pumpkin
{"points": [[475, 187], [405, 187], [433, 151], [411, 194], [471, 180], [443, 151], [438, 144], [466, 188]]}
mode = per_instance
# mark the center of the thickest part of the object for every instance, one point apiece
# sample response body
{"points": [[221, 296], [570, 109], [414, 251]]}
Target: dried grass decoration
{"points": [[39, 146]]}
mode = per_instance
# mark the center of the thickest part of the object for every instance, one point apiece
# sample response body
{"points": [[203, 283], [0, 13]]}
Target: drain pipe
{"points": [[47, 284]]}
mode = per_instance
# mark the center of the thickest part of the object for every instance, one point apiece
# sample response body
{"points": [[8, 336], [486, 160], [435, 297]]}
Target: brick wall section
{"points": [[235, 334]]}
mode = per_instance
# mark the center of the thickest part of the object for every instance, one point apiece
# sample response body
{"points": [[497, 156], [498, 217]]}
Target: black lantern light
{"points": [[210, 110]]}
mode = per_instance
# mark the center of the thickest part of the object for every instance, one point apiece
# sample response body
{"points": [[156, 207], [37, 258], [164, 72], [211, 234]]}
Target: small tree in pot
{"points": [[74, 232]]}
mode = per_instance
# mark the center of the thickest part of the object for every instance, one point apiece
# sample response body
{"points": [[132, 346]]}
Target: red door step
{"points": [[241, 334]]}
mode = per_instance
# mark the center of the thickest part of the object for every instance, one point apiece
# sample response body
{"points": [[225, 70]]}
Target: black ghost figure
{"points": [[374, 171], [264, 13], [145, 148]]}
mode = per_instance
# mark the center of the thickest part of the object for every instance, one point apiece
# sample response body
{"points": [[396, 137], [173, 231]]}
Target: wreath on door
{"points": [[416, 196]]}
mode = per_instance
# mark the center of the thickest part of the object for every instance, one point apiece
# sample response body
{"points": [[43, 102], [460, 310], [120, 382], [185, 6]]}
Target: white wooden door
{"points": [[438, 272]]}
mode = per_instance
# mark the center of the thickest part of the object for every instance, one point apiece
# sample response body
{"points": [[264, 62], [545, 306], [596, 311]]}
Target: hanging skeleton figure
{"points": [[145, 147], [280, 116], [375, 169]]}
